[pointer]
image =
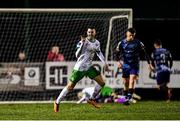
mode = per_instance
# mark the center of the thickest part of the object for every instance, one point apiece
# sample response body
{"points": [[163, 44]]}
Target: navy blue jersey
{"points": [[130, 51], [161, 59]]}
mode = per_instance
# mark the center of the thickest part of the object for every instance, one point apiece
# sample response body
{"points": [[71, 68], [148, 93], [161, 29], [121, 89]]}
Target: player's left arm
{"points": [[118, 55], [101, 57], [170, 59]]}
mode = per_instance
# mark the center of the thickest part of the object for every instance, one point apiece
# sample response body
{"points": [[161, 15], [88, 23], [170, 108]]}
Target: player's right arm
{"points": [[80, 46], [145, 53], [82, 99], [118, 55], [150, 64]]}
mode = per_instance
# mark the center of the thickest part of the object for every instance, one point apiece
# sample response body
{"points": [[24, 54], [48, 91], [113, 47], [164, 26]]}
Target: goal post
{"points": [[110, 30], [36, 31]]}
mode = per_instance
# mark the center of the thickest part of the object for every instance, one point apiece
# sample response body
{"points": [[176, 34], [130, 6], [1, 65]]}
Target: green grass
{"points": [[143, 110]]}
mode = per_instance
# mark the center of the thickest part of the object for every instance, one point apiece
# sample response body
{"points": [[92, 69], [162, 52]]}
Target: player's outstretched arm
{"points": [[80, 46]]}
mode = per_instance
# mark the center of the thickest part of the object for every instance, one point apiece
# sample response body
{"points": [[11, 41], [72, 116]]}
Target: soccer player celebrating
{"points": [[86, 49], [128, 56], [162, 63]]}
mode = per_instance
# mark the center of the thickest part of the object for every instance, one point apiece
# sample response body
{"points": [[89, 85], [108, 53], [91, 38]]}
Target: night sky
{"points": [[152, 19]]}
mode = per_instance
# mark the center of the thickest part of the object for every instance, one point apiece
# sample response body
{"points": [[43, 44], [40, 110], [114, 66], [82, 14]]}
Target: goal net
{"points": [[34, 32]]}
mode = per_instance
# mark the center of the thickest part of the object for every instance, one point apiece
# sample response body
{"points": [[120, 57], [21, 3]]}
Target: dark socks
{"points": [[125, 92], [130, 93]]}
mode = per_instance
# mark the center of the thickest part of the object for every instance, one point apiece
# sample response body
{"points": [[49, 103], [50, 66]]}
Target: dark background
{"points": [[152, 19]]}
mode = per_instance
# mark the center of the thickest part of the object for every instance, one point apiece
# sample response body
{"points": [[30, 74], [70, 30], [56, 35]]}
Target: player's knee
{"points": [[70, 86], [163, 87]]}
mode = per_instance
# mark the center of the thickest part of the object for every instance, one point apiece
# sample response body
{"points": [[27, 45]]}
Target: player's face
{"points": [[129, 36], [91, 33], [156, 46]]}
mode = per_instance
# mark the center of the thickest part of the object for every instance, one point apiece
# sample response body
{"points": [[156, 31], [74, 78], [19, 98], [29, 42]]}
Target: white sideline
{"points": [[32, 102]]}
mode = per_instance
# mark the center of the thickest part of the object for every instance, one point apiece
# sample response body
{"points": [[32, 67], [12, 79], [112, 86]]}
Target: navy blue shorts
{"points": [[127, 70], [163, 77]]}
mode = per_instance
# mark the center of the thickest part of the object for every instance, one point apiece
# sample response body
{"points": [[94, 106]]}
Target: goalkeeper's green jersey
{"points": [[106, 91]]}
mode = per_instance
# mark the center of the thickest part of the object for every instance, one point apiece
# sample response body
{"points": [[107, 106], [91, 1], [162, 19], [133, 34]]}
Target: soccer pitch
{"points": [[143, 110]]}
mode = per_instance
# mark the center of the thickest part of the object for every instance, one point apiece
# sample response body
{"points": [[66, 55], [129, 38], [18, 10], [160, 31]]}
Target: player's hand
{"points": [[83, 38], [120, 65], [151, 68]]}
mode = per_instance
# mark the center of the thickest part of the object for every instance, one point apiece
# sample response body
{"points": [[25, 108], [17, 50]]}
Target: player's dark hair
{"points": [[158, 42], [132, 30], [91, 27]]}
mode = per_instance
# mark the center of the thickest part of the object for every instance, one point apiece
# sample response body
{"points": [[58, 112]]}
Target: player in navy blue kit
{"points": [[162, 63], [128, 57]]}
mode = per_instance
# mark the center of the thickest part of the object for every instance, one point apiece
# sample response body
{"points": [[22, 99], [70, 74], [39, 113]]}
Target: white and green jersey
{"points": [[85, 54]]}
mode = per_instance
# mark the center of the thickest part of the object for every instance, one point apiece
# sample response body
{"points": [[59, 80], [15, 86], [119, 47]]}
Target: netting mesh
{"points": [[36, 32]]}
